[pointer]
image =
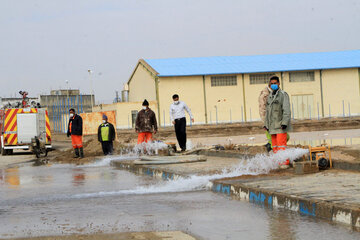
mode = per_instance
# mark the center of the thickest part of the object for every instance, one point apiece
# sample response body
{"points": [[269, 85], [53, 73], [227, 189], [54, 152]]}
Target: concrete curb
{"points": [[342, 165], [348, 215]]}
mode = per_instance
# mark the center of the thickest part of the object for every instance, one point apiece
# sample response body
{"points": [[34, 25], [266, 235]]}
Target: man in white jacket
{"points": [[177, 116]]}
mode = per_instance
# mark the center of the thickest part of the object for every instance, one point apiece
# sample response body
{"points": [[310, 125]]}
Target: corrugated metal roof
{"points": [[255, 64]]}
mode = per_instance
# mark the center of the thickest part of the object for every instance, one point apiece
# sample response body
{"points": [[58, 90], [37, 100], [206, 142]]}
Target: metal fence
{"points": [[215, 116], [60, 111]]}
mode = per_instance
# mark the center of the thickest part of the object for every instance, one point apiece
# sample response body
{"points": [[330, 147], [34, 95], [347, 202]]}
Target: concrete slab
{"points": [[211, 166]]}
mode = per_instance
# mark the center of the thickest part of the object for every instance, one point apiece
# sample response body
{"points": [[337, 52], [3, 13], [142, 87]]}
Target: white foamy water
{"points": [[259, 164], [130, 153], [149, 148]]}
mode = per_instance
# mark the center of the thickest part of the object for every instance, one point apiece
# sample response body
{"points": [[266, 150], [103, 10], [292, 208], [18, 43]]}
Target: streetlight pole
{"points": [[92, 89]]}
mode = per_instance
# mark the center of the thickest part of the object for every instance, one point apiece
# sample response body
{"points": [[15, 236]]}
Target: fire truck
{"points": [[25, 128]]}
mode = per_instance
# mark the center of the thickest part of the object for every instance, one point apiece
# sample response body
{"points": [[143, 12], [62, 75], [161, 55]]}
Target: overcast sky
{"points": [[43, 43]]}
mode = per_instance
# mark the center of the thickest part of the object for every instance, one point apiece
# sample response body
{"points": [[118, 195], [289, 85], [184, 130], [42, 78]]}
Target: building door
{"points": [[302, 106]]}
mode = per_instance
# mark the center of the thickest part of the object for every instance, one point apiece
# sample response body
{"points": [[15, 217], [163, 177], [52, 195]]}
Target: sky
{"points": [[47, 45]]}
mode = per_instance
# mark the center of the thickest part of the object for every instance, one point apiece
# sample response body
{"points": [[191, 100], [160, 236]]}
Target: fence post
{"points": [[164, 117], [343, 108], [349, 110], [242, 114], [77, 103], [60, 118], [292, 110], [81, 102], [57, 116], [64, 119], [216, 115], [128, 121], [318, 111], [230, 116], [309, 112], [73, 101]]}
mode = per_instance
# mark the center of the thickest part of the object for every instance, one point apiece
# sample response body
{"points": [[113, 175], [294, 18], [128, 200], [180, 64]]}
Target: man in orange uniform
{"points": [[146, 123], [75, 130], [278, 116]]}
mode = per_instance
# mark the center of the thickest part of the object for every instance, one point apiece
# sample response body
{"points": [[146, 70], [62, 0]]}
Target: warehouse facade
{"points": [[226, 89]]}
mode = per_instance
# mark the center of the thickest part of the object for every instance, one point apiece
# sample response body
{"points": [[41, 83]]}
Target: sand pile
{"points": [[92, 149]]}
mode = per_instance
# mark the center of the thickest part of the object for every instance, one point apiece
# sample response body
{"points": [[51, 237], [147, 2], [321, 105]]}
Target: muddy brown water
{"points": [[64, 199]]}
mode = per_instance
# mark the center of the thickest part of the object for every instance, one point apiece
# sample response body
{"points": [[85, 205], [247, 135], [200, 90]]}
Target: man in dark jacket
{"points": [[75, 130], [106, 135], [146, 123]]}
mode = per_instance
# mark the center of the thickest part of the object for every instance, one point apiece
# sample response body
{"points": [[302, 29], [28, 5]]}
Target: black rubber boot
{"points": [[268, 147], [81, 152], [76, 153]]}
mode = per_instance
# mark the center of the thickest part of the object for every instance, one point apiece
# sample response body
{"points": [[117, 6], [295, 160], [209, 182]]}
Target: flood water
{"points": [[97, 198]]}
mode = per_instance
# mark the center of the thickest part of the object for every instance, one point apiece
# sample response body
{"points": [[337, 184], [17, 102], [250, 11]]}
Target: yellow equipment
{"points": [[321, 155]]}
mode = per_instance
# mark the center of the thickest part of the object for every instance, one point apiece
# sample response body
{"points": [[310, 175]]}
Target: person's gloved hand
{"points": [[283, 127], [68, 134], [266, 128]]}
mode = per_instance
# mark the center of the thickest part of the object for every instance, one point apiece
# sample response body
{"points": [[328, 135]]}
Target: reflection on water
{"points": [[10, 177], [78, 177], [331, 142], [280, 226]]}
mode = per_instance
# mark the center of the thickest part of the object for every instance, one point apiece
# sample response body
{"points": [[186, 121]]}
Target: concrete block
{"points": [[305, 167]]}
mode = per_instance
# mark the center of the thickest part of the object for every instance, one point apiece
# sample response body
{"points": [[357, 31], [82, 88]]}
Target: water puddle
{"points": [[88, 199]]}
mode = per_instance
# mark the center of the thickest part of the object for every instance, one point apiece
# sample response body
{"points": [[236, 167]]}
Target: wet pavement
{"points": [[96, 198]]}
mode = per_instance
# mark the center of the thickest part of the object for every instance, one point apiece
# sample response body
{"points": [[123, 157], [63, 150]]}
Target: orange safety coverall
{"points": [[144, 137], [279, 143], [76, 140]]}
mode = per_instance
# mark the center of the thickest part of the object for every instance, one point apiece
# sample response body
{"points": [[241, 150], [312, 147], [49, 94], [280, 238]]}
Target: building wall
{"points": [[124, 111], [310, 92], [190, 90], [142, 85], [338, 85], [227, 101], [341, 85]]}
